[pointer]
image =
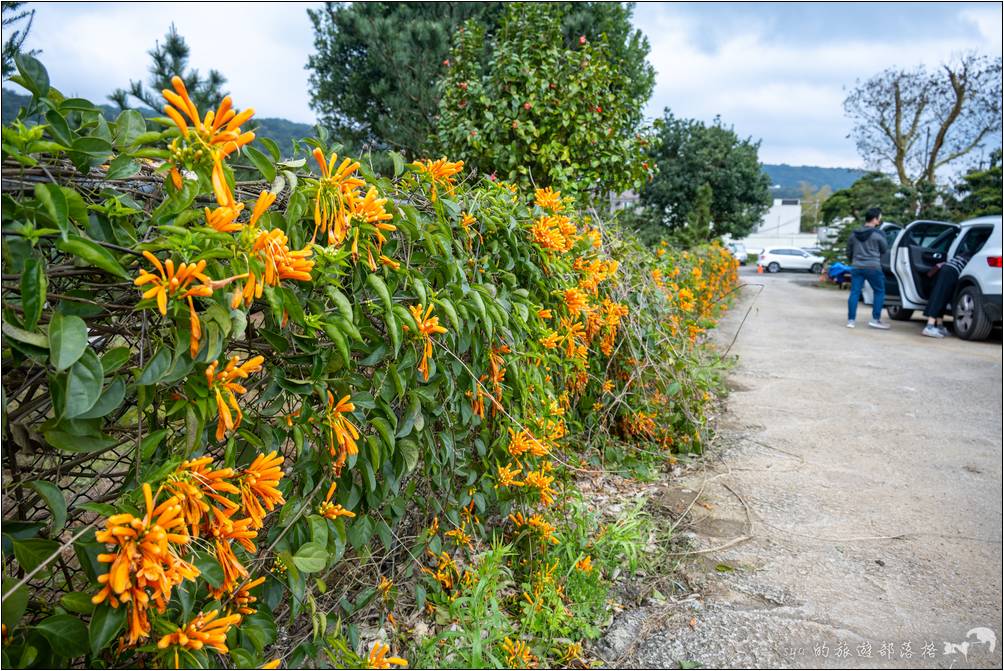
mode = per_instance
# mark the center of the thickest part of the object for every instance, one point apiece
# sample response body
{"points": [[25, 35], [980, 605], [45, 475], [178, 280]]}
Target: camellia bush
{"points": [[264, 409]]}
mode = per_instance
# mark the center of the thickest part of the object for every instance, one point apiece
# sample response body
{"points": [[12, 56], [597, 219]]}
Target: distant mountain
{"points": [[283, 132], [786, 180]]}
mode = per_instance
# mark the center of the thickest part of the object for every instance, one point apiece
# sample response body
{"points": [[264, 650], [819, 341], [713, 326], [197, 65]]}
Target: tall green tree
{"points": [[170, 59], [14, 13], [688, 154], [376, 65], [980, 191], [874, 189], [528, 107]]}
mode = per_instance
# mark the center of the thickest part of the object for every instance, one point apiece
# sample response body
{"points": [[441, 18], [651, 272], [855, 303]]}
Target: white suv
{"points": [[921, 246], [776, 259]]}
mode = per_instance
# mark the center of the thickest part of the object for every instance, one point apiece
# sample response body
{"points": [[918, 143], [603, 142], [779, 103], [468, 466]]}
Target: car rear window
{"points": [[976, 237]]}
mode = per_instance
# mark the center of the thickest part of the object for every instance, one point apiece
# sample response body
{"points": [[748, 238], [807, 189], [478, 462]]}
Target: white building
{"points": [[780, 227], [782, 219]]}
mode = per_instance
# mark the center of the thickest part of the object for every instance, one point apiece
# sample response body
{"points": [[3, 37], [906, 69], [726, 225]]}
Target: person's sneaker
{"points": [[850, 324], [932, 332], [944, 331], [876, 324]]}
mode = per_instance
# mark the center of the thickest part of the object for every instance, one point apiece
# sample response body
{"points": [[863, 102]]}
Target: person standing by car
{"points": [[865, 248], [943, 290]]}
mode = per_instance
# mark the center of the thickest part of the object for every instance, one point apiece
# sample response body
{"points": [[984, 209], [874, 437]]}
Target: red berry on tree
{"points": [[582, 39]]}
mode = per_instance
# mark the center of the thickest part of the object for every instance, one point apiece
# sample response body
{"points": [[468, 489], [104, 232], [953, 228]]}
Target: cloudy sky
{"points": [[776, 71]]}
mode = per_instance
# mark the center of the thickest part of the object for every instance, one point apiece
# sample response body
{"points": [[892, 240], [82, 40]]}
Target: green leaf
{"points": [[77, 602], [210, 568], [409, 450], [383, 428], [33, 551], [93, 254], [128, 127], [336, 337], [14, 603], [67, 340], [156, 367], [271, 146], [71, 442], [92, 146], [54, 500], [265, 167], [83, 385], [311, 558], [111, 398], [114, 359], [377, 284], [19, 334], [34, 285], [33, 74], [53, 200], [58, 127], [105, 626], [66, 634], [398, 163], [151, 442], [122, 167]]}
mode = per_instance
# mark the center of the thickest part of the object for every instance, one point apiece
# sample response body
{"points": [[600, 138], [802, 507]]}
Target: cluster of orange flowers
{"points": [[554, 232], [210, 139], [342, 433], [147, 560], [428, 326], [518, 655], [224, 386], [171, 283], [340, 202], [536, 523], [378, 658], [439, 172]]}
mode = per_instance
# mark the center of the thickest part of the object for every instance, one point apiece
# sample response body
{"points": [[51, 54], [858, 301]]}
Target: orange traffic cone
{"points": [[759, 269]]}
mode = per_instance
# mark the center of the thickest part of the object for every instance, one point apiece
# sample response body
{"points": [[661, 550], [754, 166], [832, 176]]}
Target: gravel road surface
{"points": [[851, 515]]}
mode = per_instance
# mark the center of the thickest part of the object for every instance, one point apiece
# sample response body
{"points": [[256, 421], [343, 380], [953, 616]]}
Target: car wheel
{"points": [[773, 267], [816, 268], [971, 322], [899, 313]]}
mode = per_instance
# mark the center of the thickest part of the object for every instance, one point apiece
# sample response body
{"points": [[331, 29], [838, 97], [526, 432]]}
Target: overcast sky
{"points": [[776, 71]]}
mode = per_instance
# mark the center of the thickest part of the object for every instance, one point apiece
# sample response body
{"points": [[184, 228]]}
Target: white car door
{"points": [[917, 251]]}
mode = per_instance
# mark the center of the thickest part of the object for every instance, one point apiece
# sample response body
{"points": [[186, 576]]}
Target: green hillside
{"points": [[786, 180]]}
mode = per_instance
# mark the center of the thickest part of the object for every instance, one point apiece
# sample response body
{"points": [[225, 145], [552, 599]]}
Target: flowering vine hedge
{"points": [[238, 386]]}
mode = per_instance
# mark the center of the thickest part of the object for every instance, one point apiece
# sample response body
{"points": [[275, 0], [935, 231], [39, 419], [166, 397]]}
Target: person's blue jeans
{"points": [[877, 281]]}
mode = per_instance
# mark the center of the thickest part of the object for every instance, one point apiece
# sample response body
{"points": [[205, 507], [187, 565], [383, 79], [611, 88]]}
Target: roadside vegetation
{"points": [[308, 410]]}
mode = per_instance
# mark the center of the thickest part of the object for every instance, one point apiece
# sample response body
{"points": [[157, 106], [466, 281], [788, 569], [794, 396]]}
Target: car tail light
{"points": [[994, 261]]}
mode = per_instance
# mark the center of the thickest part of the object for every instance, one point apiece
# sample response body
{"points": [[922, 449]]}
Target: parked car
{"points": [[776, 259], [921, 246], [738, 250]]}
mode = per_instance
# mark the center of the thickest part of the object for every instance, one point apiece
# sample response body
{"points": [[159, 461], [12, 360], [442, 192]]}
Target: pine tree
{"points": [[171, 59], [12, 13]]}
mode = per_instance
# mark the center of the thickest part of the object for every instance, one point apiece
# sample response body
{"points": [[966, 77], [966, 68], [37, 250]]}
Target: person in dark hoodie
{"points": [[865, 248]]}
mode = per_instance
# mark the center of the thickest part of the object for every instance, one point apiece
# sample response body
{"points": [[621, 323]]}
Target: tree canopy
{"points": [[918, 122], [170, 59], [689, 154], [873, 190], [534, 110], [376, 66], [980, 191]]}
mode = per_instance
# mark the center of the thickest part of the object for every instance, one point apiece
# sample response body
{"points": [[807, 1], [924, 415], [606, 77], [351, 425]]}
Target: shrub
{"points": [[238, 390]]}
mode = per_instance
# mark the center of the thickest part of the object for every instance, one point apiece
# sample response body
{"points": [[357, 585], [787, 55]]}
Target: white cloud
{"points": [[767, 80], [261, 48]]}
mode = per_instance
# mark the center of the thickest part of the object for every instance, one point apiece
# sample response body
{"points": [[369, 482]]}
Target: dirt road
{"points": [[865, 469]]}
